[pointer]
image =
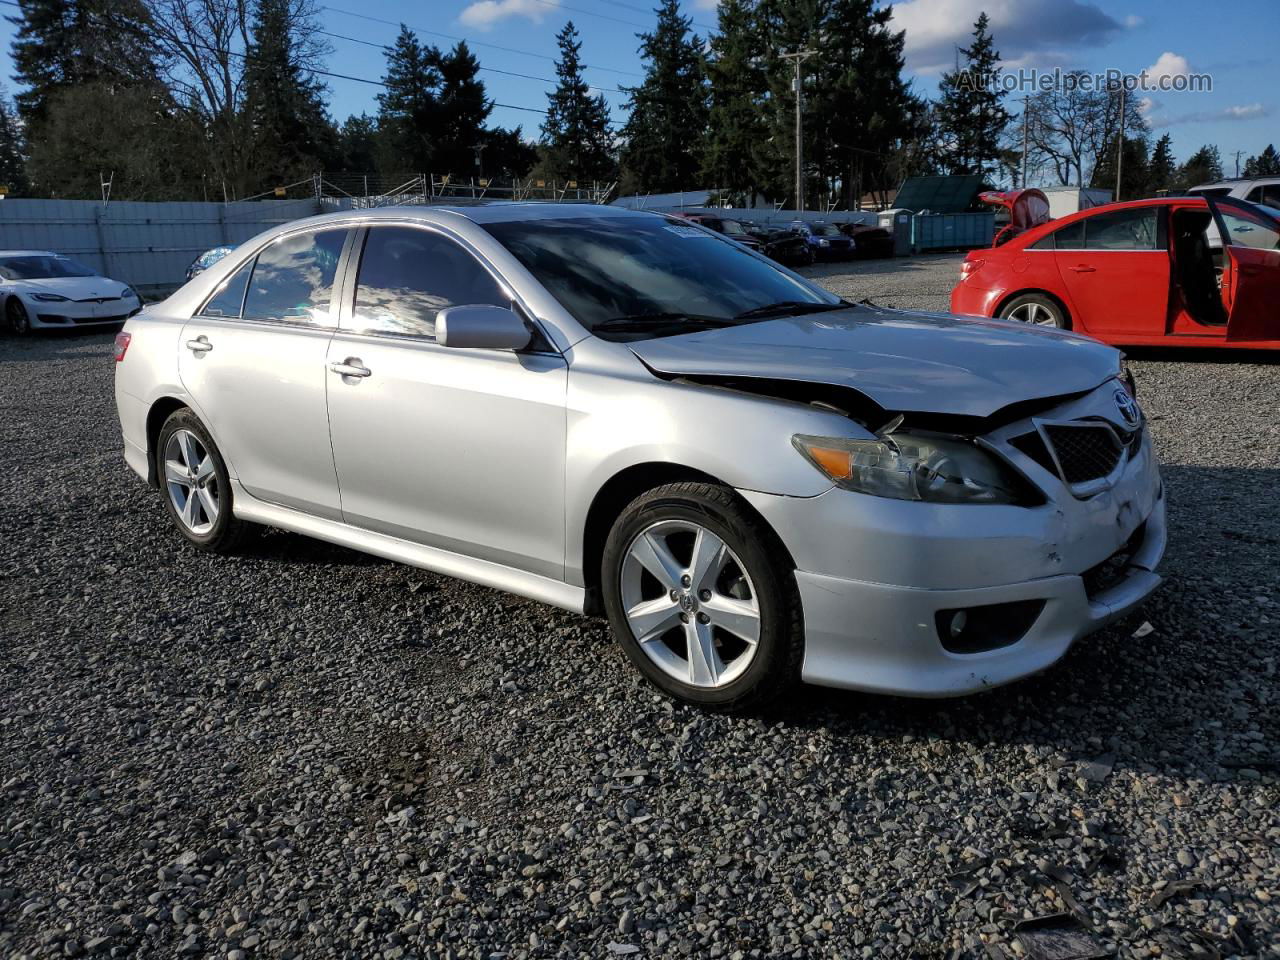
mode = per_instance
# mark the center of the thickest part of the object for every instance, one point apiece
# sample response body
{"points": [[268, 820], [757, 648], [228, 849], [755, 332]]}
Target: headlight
{"points": [[908, 466], [127, 292], [824, 243], [49, 297]]}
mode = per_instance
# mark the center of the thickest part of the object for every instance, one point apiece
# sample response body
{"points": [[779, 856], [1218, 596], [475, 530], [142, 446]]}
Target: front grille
{"points": [[1085, 451], [98, 300]]}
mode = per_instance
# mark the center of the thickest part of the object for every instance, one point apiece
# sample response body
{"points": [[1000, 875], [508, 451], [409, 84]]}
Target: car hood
{"points": [[903, 361], [75, 288]]}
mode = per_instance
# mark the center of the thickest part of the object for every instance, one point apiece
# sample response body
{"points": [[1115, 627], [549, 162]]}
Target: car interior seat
{"points": [[1194, 271]]}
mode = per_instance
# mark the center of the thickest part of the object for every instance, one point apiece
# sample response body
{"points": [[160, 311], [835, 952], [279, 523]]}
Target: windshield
{"points": [[606, 268], [826, 230], [42, 267], [733, 228]]}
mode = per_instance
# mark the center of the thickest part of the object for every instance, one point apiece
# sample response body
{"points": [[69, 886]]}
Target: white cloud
{"points": [[1021, 28], [1168, 64], [485, 13], [1133, 21], [705, 4], [1148, 106], [1247, 112]]}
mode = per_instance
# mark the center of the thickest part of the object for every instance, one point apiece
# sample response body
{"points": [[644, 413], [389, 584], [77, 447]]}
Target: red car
{"points": [[1141, 273]]}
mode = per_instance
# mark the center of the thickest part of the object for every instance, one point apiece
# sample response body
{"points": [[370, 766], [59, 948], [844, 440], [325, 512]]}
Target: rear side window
{"points": [[292, 279], [229, 297], [1122, 230], [408, 275], [1070, 237], [1268, 195]]}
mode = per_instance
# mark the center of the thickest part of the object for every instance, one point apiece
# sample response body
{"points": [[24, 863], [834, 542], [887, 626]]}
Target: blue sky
{"points": [[1232, 41]]}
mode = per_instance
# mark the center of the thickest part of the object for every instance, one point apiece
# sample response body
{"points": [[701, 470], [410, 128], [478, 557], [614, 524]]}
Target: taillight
{"points": [[969, 267], [122, 345]]}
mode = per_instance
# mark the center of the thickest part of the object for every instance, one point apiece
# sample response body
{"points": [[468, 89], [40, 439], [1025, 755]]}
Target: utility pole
{"points": [[1239, 154], [797, 58], [1120, 145], [1026, 106], [479, 149]]}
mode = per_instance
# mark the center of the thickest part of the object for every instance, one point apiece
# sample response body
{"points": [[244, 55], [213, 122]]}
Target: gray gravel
{"points": [[302, 751]]}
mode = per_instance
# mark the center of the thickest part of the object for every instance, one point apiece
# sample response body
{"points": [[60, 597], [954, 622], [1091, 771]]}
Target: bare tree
{"points": [[1069, 128]]}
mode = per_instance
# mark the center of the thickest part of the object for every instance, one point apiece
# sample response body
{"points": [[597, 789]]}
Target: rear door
{"points": [[253, 360], [1114, 266], [460, 449], [1250, 270]]}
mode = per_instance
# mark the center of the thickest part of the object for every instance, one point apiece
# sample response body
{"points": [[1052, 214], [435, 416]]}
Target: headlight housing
{"points": [[916, 466], [50, 297], [128, 292]]}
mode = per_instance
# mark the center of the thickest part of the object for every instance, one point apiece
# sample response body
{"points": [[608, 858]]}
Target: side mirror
{"points": [[481, 326]]}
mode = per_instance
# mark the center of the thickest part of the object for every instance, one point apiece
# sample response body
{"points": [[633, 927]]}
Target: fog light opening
{"points": [[989, 627]]}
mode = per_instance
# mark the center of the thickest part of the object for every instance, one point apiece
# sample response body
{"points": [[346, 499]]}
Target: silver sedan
{"points": [[625, 414]]}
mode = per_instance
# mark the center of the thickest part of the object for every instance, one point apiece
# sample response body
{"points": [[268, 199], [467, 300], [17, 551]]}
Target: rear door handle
{"points": [[351, 367], [200, 344], [1083, 268]]}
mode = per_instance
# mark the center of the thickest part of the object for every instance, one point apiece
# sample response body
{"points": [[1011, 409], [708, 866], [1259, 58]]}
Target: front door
{"points": [[1115, 268], [1250, 270], [254, 363], [460, 449]]}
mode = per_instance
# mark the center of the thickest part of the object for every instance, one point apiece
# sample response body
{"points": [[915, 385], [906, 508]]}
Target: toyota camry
{"points": [[628, 415]]}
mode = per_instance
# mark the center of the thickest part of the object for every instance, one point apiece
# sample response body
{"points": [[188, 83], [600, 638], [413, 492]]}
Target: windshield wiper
{"points": [[788, 308], [647, 321]]}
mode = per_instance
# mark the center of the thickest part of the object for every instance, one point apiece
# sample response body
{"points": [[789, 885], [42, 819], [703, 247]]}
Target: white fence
{"points": [[147, 245]]}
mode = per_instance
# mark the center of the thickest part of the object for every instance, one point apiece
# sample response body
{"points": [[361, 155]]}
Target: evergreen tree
{"points": [[575, 134], [1135, 177], [971, 110], [1265, 164], [291, 134], [463, 109], [668, 120], [736, 124], [357, 138], [506, 153], [13, 163], [409, 109], [1203, 166], [1162, 172]]}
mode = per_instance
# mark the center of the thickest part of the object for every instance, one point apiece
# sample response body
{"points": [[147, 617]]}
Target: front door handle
{"points": [[350, 367], [1083, 268], [200, 344]]}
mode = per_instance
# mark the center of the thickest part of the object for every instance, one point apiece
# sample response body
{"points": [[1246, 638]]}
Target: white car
{"points": [[41, 289]]}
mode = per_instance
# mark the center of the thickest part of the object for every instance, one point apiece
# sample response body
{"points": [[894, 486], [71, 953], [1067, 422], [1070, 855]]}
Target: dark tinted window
{"points": [[293, 279], [1212, 192], [409, 275], [1044, 243], [1122, 230], [605, 267], [1070, 237], [229, 297], [42, 267]]}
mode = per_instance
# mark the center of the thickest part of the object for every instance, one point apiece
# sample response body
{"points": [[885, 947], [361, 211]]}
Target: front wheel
{"points": [[19, 319], [1037, 309], [196, 485], [700, 598]]}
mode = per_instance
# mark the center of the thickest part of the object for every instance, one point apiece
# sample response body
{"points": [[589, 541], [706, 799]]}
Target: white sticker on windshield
{"points": [[680, 231]]}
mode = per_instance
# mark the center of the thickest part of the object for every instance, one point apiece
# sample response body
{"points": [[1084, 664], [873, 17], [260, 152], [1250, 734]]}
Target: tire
{"points": [[15, 313], [205, 520], [1037, 309], [698, 601]]}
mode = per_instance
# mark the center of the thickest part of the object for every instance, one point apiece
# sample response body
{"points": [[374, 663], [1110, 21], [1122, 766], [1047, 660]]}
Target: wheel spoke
{"points": [[650, 619], [190, 510], [705, 665], [208, 504], [657, 559], [708, 559], [175, 472], [205, 469], [739, 617], [188, 445]]}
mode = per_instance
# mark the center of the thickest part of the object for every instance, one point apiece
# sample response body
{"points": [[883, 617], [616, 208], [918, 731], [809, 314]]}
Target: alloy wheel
{"points": [[19, 321], [1033, 312], [191, 482], [690, 603]]}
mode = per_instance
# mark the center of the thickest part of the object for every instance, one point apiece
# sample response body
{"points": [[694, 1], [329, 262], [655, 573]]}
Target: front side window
{"points": [[1122, 230], [229, 297], [408, 275], [292, 280], [650, 276]]}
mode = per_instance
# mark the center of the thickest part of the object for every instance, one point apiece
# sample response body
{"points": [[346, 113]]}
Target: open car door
{"points": [[1250, 269]]}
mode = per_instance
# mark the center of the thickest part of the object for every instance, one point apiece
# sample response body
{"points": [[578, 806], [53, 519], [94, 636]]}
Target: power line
{"points": [[473, 43]]}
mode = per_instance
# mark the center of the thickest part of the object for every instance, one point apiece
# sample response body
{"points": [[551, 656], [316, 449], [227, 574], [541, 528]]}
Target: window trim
{"points": [[351, 282], [352, 226], [1162, 236]]}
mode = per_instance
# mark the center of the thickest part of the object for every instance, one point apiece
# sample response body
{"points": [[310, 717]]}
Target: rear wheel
{"points": [[700, 599], [196, 485], [1037, 309], [19, 320]]}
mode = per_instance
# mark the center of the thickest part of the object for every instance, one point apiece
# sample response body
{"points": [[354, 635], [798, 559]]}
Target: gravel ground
{"points": [[302, 751]]}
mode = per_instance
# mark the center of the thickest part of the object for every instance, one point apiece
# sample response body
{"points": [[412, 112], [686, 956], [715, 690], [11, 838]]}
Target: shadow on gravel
{"points": [[1183, 697], [1192, 355], [282, 546], [49, 345]]}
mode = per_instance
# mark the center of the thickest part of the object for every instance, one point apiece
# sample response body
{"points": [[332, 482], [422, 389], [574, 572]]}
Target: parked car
{"points": [[825, 240], [1144, 272], [603, 410], [1259, 190], [733, 229], [870, 242], [206, 260], [788, 248], [45, 290]]}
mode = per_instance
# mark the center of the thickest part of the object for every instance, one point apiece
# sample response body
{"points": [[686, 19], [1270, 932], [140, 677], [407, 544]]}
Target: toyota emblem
{"points": [[1128, 407]]}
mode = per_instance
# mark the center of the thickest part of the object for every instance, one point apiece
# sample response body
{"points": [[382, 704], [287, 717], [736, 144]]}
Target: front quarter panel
{"points": [[620, 415]]}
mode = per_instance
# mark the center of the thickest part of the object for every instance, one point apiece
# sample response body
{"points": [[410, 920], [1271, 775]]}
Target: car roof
{"points": [[30, 253], [1035, 233], [482, 213]]}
